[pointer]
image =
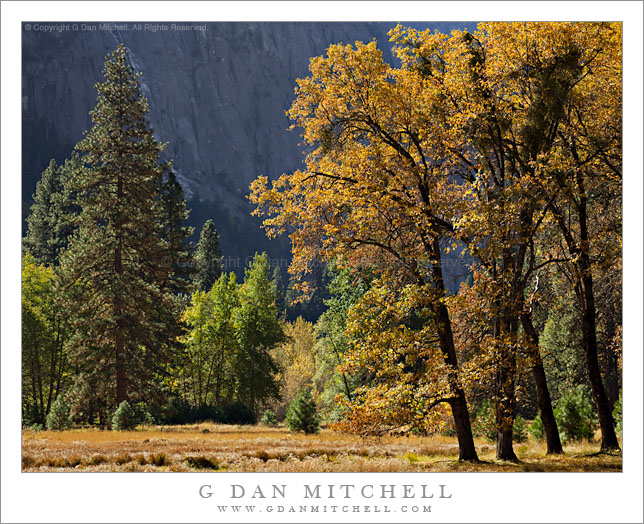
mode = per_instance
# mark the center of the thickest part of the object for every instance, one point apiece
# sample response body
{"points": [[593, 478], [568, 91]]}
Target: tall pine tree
{"points": [[207, 258], [113, 275]]}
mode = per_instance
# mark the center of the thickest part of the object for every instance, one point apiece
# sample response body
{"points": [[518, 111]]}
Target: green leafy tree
{"points": [[58, 418], [258, 331], [207, 258], [211, 342], [113, 277], [302, 414], [44, 334], [344, 291], [296, 361]]}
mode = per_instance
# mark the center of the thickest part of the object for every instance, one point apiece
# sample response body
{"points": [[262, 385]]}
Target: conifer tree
{"points": [[278, 285], [207, 258], [302, 414], [174, 214], [50, 223], [113, 276]]}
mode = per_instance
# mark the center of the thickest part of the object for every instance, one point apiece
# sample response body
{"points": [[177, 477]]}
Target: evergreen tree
{"points": [[207, 258], [124, 418], [50, 223], [58, 418], [174, 214], [302, 414], [113, 276], [258, 331]]}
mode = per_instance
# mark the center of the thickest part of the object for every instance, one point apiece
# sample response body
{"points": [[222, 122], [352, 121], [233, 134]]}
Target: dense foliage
{"points": [[485, 144]]}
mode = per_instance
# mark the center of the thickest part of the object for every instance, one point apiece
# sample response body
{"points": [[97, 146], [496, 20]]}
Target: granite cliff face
{"points": [[217, 95]]}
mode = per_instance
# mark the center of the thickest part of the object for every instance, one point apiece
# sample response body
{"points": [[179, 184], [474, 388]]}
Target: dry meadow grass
{"points": [[210, 447]]}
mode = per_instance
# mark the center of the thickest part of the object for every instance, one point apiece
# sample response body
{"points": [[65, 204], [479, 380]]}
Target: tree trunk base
{"points": [[609, 448]]}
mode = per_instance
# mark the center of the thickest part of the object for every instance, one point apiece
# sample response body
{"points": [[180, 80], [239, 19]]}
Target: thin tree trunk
{"points": [[589, 329], [544, 401], [52, 368], [218, 384], [344, 377], [34, 390], [467, 450], [40, 392], [61, 364]]}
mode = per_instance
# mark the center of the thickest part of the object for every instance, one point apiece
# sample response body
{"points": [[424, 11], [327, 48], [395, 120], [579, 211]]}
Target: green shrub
{"points": [[302, 414], [575, 415], [485, 422], [520, 430], [31, 416], [142, 414], [58, 417], [269, 418], [124, 418], [617, 414], [536, 429]]}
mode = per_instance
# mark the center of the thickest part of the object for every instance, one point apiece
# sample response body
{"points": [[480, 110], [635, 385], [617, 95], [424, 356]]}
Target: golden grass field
{"points": [[210, 447]]}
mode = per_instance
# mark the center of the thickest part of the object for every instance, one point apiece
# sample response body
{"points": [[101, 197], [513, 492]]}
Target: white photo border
{"points": [[476, 497]]}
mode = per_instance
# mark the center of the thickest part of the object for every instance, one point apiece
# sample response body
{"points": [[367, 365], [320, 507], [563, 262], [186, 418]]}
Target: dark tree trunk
{"points": [[458, 403], [611, 378], [90, 412], [466, 448], [589, 333], [544, 401], [505, 398], [52, 368], [505, 412], [218, 384], [589, 328]]}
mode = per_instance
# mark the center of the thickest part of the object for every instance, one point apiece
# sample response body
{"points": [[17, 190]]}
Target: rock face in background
{"points": [[216, 95]]}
